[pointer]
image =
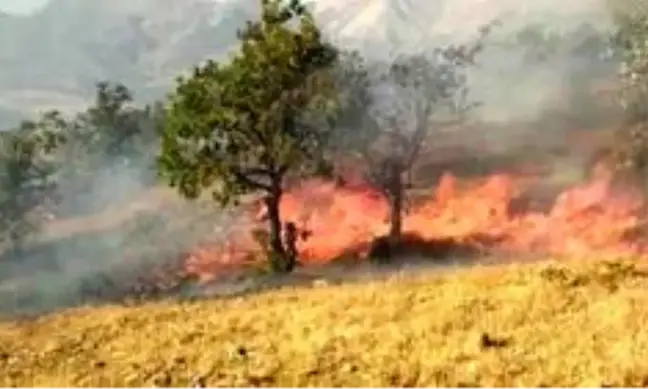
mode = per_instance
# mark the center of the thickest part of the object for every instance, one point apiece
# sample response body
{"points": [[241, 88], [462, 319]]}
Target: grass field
{"points": [[548, 324]]}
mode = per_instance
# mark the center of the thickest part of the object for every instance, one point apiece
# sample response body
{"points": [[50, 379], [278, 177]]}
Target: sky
{"points": [[21, 6]]}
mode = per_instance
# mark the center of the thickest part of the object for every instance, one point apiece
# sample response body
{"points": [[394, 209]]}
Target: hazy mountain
{"points": [[53, 57], [56, 55]]}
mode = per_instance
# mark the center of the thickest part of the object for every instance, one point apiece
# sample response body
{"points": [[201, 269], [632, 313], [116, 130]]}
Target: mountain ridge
{"points": [[53, 57]]}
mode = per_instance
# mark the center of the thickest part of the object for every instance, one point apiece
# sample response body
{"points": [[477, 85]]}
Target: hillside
{"points": [[576, 323], [52, 58], [558, 324]]}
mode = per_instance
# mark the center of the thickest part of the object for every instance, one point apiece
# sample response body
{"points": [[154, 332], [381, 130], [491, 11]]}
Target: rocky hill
{"points": [[52, 58]]}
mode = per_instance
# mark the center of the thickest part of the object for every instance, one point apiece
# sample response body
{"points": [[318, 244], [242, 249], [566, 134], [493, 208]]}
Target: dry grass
{"points": [[569, 324]]}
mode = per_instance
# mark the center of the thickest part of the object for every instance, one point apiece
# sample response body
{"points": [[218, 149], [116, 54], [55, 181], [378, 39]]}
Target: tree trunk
{"points": [[277, 255], [384, 248], [396, 212], [395, 190]]}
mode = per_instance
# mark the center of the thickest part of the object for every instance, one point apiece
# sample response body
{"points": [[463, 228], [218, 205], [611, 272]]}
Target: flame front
{"points": [[492, 215]]}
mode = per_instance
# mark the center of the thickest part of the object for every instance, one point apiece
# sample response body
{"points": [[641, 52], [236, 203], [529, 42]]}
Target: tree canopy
{"points": [[49, 165], [242, 126], [27, 177], [630, 43], [395, 108]]}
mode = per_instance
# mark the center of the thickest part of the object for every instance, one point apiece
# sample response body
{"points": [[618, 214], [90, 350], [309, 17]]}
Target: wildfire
{"points": [[494, 214]]}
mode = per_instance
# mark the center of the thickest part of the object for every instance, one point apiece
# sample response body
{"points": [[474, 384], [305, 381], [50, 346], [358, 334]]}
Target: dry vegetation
{"points": [[558, 324]]}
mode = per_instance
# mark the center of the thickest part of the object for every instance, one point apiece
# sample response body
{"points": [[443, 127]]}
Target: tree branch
{"points": [[416, 142], [243, 175]]}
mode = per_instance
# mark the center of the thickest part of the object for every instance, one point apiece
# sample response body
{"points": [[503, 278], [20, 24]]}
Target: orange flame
{"points": [[489, 215]]}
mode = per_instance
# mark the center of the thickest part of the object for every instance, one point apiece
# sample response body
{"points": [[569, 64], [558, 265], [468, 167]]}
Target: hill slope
{"points": [[537, 325], [52, 59]]}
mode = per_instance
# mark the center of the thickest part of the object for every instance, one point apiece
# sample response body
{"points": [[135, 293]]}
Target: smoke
{"points": [[121, 237], [542, 64], [536, 80], [545, 72]]}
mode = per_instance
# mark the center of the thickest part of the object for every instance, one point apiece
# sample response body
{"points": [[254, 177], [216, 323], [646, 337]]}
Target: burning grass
{"points": [[548, 324], [500, 213]]}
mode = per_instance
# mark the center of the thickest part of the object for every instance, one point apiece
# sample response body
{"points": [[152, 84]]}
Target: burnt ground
{"points": [[338, 273], [129, 286]]}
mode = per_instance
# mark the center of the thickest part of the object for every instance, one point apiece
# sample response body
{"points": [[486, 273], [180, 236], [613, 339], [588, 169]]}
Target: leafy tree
{"points": [[27, 178], [631, 41], [244, 126], [111, 133], [404, 102], [539, 42], [112, 127], [630, 151]]}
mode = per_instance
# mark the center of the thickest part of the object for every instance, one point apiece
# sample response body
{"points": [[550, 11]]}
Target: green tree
{"points": [[246, 125], [539, 42], [28, 178], [113, 128], [630, 151], [111, 133], [631, 43]]}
